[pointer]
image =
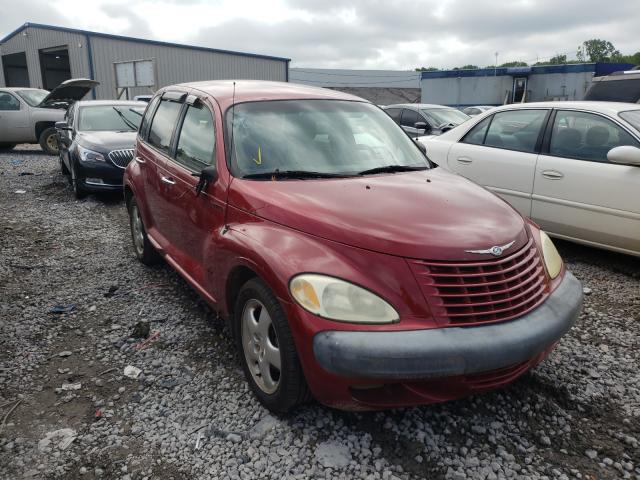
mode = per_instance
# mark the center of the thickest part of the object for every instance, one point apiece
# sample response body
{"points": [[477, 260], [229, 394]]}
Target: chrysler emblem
{"points": [[496, 250]]}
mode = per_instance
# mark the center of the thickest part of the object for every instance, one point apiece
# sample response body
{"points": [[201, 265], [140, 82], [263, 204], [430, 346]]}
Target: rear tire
{"points": [[49, 141], [141, 244], [266, 348], [7, 146]]}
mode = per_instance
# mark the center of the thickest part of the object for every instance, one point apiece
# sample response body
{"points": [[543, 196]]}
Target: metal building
{"points": [[498, 86], [382, 87], [42, 56]]}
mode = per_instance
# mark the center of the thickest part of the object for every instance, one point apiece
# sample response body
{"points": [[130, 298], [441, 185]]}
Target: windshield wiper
{"points": [[275, 174], [129, 123], [391, 169]]}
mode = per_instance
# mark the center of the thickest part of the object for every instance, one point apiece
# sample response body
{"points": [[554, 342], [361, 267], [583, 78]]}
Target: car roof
{"points": [[610, 108], [115, 103], [418, 105], [257, 90]]}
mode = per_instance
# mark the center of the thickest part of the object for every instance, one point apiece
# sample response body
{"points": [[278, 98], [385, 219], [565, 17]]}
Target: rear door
{"points": [[578, 193], [156, 136], [500, 153], [194, 218], [14, 119]]}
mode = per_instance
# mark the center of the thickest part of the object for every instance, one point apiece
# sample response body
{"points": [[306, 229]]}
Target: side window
{"points": [[409, 118], [146, 120], [586, 136], [163, 124], [515, 130], [8, 102], [197, 141], [395, 114], [476, 135]]}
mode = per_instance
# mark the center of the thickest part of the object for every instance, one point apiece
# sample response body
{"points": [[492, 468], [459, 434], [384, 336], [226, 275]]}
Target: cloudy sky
{"points": [[362, 34]]}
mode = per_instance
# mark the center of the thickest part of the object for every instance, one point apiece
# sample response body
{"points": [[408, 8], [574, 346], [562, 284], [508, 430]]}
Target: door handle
{"points": [[464, 160], [140, 160], [552, 174], [168, 180]]}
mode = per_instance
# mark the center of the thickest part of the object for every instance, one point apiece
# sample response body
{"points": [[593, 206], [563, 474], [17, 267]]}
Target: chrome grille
{"points": [[121, 158], [467, 293]]}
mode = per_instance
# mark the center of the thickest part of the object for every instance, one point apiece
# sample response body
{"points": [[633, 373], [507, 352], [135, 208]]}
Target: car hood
{"points": [[429, 214], [107, 141], [69, 91]]}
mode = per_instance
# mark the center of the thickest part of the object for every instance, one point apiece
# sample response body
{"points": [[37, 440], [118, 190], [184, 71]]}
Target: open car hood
{"points": [[69, 91]]}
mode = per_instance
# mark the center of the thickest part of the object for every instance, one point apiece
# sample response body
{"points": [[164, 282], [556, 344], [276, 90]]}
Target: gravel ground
{"points": [[68, 411]]}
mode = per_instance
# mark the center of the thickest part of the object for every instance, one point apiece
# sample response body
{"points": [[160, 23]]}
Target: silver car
{"points": [[28, 115], [418, 119]]}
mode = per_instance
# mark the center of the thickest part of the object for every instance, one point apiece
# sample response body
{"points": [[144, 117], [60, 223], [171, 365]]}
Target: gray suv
{"points": [[28, 115]]}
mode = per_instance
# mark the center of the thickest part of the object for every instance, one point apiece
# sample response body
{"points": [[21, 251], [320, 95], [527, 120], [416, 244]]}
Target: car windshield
{"points": [[110, 118], [633, 117], [445, 116], [323, 137], [33, 97]]}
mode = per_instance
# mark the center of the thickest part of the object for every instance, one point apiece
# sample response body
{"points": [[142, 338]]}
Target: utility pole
{"points": [[495, 70]]}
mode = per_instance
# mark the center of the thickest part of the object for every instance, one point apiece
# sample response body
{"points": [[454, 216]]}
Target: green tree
{"points": [[514, 64], [427, 69], [597, 50], [555, 60], [467, 67]]}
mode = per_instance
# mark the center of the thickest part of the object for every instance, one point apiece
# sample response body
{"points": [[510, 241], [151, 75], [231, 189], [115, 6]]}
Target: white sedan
{"points": [[572, 167]]}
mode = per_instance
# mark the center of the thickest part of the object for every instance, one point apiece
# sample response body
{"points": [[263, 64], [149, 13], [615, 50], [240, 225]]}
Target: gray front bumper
{"points": [[451, 351]]}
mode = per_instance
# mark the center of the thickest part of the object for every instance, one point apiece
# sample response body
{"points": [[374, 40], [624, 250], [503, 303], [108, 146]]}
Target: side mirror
{"points": [[207, 176], [625, 155], [62, 126], [422, 126]]}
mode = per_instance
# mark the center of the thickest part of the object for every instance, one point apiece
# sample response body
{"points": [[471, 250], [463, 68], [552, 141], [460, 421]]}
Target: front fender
{"points": [[277, 253]]}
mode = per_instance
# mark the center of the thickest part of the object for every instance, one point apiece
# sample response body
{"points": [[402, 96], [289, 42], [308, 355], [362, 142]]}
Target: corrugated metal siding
{"points": [[173, 64], [39, 38], [178, 65]]}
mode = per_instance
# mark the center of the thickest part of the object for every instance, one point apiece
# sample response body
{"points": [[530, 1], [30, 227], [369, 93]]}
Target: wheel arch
{"points": [[42, 126]]}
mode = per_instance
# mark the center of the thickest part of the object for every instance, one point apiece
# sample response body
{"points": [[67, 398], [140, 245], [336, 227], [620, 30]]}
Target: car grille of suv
{"points": [[467, 293], [121, 158]]}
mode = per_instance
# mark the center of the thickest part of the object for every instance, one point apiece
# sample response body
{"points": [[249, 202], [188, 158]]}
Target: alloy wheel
{"points": [[138, 230], [261, 346]]}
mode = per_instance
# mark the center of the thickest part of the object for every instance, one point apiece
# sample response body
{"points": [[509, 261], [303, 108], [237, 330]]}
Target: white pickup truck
{"points": [[28, 115]]}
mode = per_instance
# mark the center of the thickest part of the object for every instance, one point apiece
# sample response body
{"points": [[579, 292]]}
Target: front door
{"points": [[194, 217], [578, 193], [519, 89], [14, 119], [500, 153]]}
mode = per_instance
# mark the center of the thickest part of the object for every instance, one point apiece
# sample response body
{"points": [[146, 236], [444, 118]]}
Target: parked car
{"points": [[476, 110], [616, 87], [348, 268], [97, 139], [573, 167], [28, 115], [419, 119]]}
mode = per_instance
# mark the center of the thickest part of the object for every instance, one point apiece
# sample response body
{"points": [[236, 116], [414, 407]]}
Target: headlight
{"points": [[551, 256], [87, 155], [336, 299]]}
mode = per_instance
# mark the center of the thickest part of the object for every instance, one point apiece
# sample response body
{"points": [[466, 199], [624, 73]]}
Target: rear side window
{"points": [[515, 130], [197, 141], [163, 124], [394, 113], [476, 135], [409, 118], [586, 136], [146, 120], [8, 102]]}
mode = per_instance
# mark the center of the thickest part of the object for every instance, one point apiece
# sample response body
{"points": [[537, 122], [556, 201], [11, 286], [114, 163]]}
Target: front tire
{"points": [[49, 141], [266, 348], [63, 167], [141, 244], [78, 189]]}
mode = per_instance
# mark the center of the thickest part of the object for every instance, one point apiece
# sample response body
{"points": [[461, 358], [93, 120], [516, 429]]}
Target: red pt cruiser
{"points": [[349, 268]]}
